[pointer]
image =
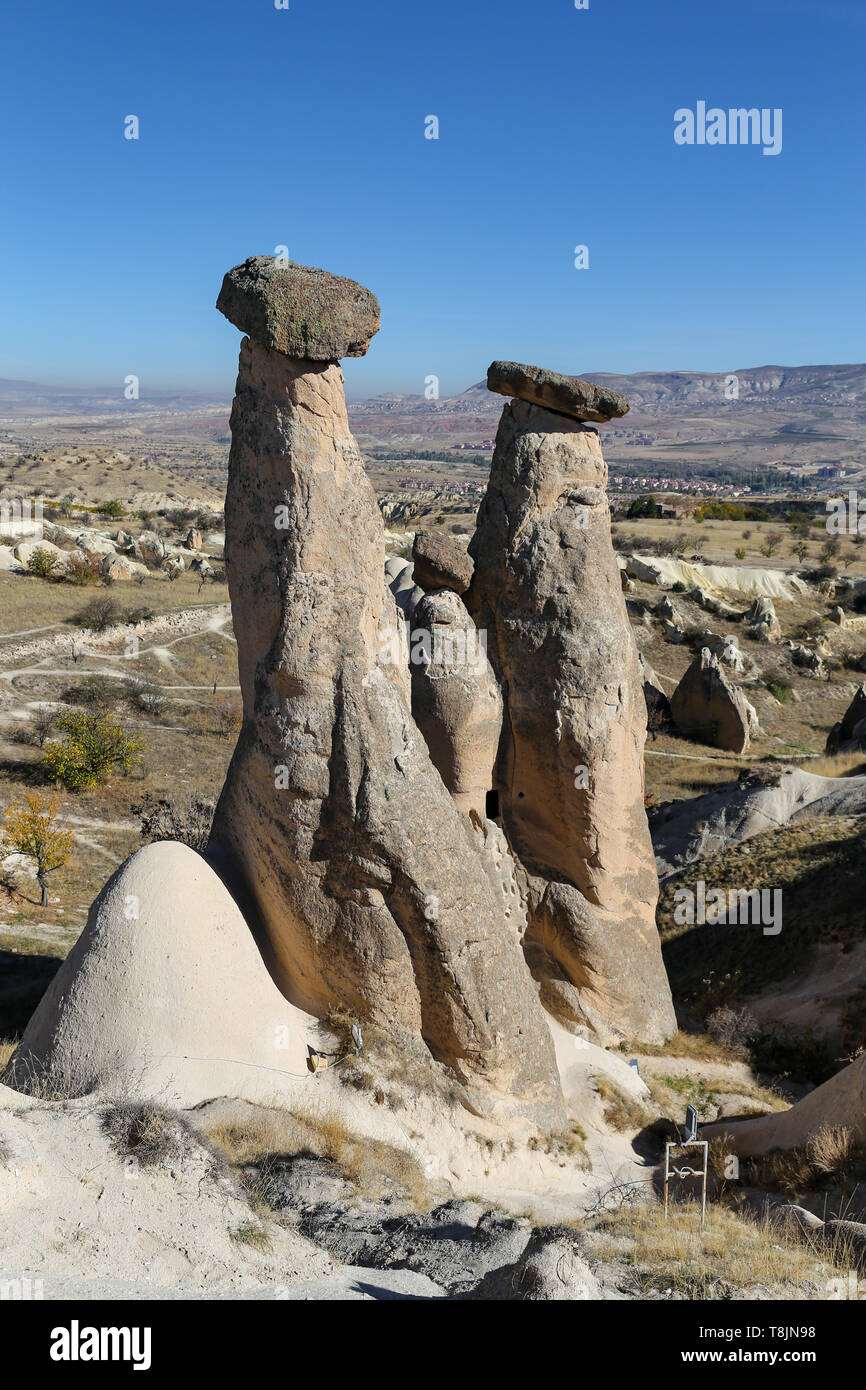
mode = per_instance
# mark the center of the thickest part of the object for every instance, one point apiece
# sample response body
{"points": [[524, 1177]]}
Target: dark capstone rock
{"points": [[566, 394], [305, 313], [440, 563]]}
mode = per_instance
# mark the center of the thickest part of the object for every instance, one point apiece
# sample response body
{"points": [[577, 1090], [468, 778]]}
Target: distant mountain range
{"points": [[651, 393], [31, 398], [664, 393], [756, 417], [679, 423]]}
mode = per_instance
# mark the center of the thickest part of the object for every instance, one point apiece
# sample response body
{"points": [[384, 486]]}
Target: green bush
{"points": [[781, 689], [93, 746], [113, 509], [42, 563], [145, 698], [94, 690]]}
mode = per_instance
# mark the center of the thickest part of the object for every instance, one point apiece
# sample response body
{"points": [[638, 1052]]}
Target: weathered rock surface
{"points": [[296, 309], [705, 706], [848, 735], [456, 701], [570, 772], [151, 549], [456, 1244], [685, 831], [763, 625], [164, 994], [550, 1269], [658, 708], [440, 563], [568, 395], [363, 873], [25, 550], [841, 1101], [401, 582]]}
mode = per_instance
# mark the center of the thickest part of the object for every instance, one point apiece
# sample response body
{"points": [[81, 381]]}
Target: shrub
{"points": [[42, 563], [134, 616], [82, 569], [732, 1028], [739, 553], [93, 746], [96, 690], [151, 1134], [145, 698], [41, 724], [771, 543], [781, 690], [114, 510], [100, 613]]}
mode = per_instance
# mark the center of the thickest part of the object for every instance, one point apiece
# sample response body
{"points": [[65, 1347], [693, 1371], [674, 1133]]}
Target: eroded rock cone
{"points": [[848, 735], [369, 887], [456, 701], [570, 773], [707, 707]]}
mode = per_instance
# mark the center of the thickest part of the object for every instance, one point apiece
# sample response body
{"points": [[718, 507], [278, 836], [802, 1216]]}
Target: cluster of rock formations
{"points": [[434, 816], [120, 557]]}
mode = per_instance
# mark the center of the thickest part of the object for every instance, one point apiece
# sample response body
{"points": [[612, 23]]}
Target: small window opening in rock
{"points": [[491, 808], [520, 794]]}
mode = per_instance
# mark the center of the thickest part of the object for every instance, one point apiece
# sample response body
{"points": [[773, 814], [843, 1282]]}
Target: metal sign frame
{"points": [[686, 1172]]}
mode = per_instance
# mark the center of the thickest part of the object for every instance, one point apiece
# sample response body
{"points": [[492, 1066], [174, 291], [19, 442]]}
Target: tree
{"points": [[42, 563], [801, 550], [31, 829], [114, 510], [93, 746], [771, 544], [644, 507], [41, 724]]}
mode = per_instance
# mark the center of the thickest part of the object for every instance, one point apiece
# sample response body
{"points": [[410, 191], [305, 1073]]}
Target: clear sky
{"points": [[305, 127]]}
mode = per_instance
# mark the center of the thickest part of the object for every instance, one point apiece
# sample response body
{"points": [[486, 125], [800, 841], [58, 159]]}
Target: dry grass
{"points": [[254, 1234], [672, 1094], [568, 1146], [6, 1049], [270, 1135], [831, 1150], [28, 602], [818, 861], [730, 1252], [151, 1134], [829, 1158], [841, 765], [700, 1046], [621, 1111]]}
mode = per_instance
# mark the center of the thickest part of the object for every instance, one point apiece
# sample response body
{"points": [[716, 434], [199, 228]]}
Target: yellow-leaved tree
{"points": [[30, 828]]}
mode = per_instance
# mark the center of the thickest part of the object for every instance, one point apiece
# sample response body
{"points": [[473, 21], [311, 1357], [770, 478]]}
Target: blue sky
{"points": [[305, 127]]}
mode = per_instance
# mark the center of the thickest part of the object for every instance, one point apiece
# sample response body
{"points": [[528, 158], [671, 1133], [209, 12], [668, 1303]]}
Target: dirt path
{"points": [[191, 621]]}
